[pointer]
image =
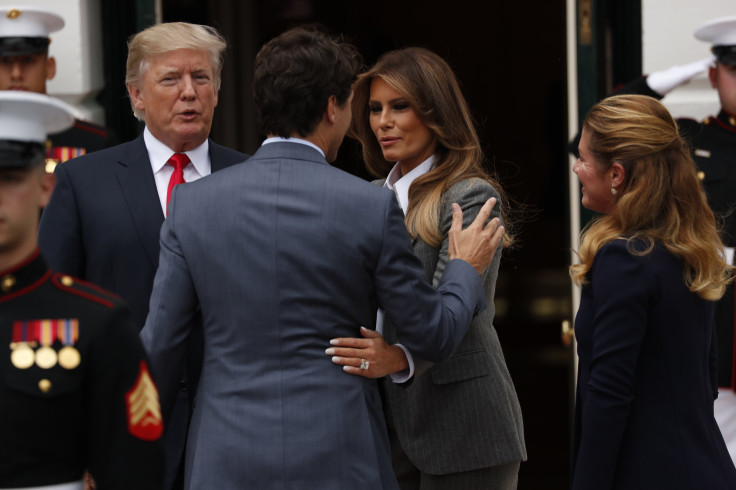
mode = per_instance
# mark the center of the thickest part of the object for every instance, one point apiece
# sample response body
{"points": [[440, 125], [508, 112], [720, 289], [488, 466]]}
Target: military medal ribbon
{"points": [[24, 338]]}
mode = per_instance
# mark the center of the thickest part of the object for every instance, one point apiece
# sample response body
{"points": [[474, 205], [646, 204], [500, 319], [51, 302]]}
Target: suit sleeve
{"points": [[125, 417], [430, 323], [471, 196], [60, 234], [622, 296], [173, 306]]}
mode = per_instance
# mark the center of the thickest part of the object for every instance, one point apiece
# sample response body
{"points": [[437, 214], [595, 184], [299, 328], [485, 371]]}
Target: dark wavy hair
{"points": [[295, 75]]}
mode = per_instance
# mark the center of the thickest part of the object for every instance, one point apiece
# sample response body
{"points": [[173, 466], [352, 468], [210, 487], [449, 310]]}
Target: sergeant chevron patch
{"points": [[144, 411]]}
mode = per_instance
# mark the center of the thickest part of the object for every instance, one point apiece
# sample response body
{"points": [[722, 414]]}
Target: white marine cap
{"points": [[721, 34], [25, 30], [26, 118]]}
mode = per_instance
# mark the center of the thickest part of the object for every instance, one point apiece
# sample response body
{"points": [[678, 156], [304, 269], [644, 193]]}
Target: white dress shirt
{"points": [[400, 185], [159, 154]]}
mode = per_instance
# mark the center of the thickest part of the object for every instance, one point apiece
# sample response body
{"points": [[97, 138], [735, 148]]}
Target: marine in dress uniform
{"points": [[75, 390], [25, 65], [713, 145]]}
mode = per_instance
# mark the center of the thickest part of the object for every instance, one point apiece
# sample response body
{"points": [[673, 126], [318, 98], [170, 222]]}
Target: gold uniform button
{"points": [[67, 281], [701, 175], [44, 385], [7, 283]]}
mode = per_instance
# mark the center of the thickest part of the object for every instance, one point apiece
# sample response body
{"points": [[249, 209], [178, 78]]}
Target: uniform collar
{"points": [[727, 118], [23, 277], [723, 119]]}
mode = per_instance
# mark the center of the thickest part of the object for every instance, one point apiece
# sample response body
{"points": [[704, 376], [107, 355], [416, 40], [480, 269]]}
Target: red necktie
{"points": [[178, 161]]}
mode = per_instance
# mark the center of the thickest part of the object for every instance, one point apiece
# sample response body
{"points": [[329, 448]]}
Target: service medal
{"points": [[69, 357], [45, 357], [68, 333], [22, 356]]}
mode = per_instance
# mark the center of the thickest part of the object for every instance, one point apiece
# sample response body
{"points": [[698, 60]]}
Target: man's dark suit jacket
{"points": [[104, 218], [103, 225]]}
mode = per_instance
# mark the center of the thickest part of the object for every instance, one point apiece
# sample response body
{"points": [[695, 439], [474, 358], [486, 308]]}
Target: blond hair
{"points": [[432, 90], [661, 198], [170, 36]]}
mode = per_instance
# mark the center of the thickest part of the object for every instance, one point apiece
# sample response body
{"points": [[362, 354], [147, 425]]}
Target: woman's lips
{"points": [[388, 141]]}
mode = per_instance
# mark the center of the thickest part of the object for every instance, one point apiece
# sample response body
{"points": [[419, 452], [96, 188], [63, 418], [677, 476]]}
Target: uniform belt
{"points": [[75, 485]]}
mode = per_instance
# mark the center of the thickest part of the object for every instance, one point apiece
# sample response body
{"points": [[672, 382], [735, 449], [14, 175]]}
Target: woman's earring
{"points": [[613, 190]]}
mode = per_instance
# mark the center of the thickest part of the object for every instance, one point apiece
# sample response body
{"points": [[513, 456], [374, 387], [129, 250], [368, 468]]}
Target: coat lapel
{"points": [[139, 188], [221, 157]]}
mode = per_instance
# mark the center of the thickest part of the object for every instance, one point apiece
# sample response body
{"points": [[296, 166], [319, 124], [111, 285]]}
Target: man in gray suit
{"points": [[306, 253]]}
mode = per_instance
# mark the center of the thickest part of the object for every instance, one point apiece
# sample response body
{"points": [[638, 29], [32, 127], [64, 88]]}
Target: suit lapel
{"points": [[139, 188], [221, 157]]}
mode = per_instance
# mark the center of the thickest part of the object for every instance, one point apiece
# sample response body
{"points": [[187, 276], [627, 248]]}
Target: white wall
{"points": [[78, 52], [668, 40]]}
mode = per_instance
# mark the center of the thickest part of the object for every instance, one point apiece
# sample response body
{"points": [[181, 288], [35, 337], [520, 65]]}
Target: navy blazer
{"points": [[104, 218], [646, 379]]}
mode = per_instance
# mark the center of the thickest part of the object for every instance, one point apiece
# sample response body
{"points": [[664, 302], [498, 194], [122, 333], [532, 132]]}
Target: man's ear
{"points": [[48, 182], [136, 96], [331, 111], [712, 72], [50, 67]]}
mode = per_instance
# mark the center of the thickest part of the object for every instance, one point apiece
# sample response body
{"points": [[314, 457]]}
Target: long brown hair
{"points": [[661, 198], [432, 90]]}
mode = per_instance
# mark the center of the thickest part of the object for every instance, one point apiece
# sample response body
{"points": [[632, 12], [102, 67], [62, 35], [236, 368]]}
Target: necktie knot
{"points": [[179, 160]]}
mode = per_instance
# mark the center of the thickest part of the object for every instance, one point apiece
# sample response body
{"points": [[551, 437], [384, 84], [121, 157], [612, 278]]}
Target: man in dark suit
{"points": [[308, 253], [25, 65], [103, 221]]}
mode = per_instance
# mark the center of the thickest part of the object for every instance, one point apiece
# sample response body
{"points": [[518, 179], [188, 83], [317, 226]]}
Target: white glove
{"points": [[664, 81]]}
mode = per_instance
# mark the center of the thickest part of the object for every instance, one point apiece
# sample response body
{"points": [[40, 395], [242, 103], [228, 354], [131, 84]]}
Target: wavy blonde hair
{"points": [[661, 199], [433, 92]]}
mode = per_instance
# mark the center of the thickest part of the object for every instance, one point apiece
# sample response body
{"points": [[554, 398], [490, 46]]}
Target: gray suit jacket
{"points": [[463, 414], [306, 253]]}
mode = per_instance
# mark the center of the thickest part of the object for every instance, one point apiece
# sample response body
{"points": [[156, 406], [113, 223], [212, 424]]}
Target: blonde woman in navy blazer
{"points": [[651, 270], [459, 425]]}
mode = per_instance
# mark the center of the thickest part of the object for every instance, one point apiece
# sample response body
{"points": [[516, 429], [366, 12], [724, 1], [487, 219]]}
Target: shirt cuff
{"points": [[405, 375]]}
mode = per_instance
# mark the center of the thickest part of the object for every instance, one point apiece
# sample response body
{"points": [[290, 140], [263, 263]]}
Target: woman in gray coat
{"points": [[456, 424]]}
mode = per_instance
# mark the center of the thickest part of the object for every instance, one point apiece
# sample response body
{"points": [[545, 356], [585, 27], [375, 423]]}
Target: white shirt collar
{"points": [[159, 154], [279, 139], [400, 183]]}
